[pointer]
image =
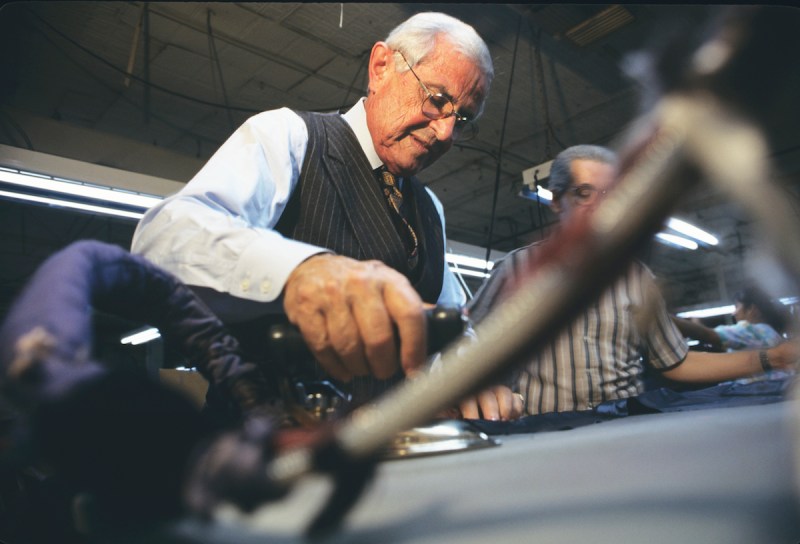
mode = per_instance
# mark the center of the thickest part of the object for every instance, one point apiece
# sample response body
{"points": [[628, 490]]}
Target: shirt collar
{"points": [[356, 117]]}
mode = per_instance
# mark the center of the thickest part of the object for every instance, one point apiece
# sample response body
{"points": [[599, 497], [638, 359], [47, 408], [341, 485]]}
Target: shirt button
{"points": [[266, 285], [245, 285]]}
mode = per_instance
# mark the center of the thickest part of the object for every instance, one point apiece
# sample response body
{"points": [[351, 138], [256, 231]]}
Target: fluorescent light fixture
{"points": [[69, 204], [600, 25], [678, 225], [539, 195], [531, 183], [708, 312], [468, 272], [476, 267], [77, 188], [472, 262], [141, 336], [675, 240], [54, 191], [727, 309]]}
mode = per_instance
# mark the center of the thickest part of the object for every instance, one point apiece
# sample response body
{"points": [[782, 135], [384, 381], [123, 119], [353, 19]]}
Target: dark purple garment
{"points": [[120, 436], [89, 274]]}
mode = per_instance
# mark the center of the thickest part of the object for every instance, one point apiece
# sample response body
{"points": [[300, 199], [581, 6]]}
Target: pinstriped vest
{"points": [[338, 204]]}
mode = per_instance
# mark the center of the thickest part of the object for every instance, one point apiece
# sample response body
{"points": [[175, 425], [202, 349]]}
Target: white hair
{"points": [[416, 38]]}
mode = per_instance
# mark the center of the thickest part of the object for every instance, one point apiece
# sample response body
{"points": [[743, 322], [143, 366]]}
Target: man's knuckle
{"points": [[380, 341]]}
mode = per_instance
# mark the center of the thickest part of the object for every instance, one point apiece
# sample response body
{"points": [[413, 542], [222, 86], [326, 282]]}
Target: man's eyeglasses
{"points": [[438, 106], [585, 194]]}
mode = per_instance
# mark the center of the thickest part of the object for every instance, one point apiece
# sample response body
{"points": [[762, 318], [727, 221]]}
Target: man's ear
{"points": [[381, 63], [555, 205]]}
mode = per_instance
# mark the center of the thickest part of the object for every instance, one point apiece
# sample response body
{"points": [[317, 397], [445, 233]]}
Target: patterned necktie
{"points": [[395, 198]]}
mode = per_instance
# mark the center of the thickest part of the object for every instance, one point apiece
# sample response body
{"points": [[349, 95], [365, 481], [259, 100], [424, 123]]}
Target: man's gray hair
{"points": [[416, 37], [561, 171]]}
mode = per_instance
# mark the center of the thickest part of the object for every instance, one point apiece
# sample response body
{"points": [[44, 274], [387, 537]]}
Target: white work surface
{"points": [[711, 476]]}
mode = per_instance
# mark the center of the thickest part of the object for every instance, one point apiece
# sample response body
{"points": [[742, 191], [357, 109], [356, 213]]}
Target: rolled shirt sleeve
{"points": [[217, 231]]}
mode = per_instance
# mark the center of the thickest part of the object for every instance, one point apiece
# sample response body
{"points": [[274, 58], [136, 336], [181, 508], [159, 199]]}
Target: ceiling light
{"points": [[678, 225], [140, 336], [541, 194], [600, 25], [727, 309], [44, 189], [472, 262], [475, 266], [468, 272], [533, 176], [708, 312], [70, 204], [531, 183], [675, 240]]}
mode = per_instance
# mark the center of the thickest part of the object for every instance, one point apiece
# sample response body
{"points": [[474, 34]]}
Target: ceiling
{"points": [[198, 70]]}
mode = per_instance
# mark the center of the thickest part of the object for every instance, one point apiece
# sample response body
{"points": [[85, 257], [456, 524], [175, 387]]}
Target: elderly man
{"points": [[602, 354], [323, 214]]}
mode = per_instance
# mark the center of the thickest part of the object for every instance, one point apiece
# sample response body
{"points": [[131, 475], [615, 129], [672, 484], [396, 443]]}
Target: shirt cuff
{"points": [[264, 266]]}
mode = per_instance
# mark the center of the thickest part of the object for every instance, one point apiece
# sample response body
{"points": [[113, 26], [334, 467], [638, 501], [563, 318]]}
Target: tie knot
{"points": [[388, 178]]}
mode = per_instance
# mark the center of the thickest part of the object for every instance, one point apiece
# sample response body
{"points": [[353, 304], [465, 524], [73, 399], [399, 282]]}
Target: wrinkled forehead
{"points": [[455, 74], [591, 172]]}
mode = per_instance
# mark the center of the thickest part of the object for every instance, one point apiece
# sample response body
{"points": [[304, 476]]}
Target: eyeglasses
{"points": [[438, 106], [585, 194]]}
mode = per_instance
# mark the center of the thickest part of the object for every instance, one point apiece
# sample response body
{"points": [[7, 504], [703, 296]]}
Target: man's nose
{"points": [[444, 128]]}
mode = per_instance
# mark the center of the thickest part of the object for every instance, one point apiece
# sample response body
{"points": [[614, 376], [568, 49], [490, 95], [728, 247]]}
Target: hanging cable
{"points": [[549, 131], [16, 126], [538, 202], [537, 74], [212, 52], [134, 46], [146, 109], [500, 151], [121, 96], [141, 80], [361, 64]]}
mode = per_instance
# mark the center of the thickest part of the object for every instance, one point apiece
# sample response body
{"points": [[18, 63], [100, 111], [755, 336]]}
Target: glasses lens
{"points": [[437, 106], [584, 194]]}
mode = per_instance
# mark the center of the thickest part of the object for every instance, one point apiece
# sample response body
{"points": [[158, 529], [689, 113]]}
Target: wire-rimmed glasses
{"points": [[438, 106]]}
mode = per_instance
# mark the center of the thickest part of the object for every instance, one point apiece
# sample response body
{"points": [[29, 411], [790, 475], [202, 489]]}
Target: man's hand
{"points": [[352, 315], [784, 356], [497, 403]]}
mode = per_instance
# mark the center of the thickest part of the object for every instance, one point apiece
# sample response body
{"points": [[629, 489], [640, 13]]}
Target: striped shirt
{"points": [[602, 354]]}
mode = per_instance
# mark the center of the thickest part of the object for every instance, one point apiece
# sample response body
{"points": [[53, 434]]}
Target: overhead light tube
{"points": [[140, 336], [43, 189], [70, 204], [675, 240], [683, 227]]}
